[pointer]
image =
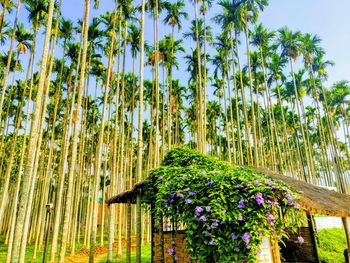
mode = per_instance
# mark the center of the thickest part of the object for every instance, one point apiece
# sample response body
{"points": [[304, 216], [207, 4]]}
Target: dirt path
{"points": [[82, 256]]}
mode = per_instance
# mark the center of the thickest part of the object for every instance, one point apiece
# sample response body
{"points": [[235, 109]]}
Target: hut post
{"points": [[310, 221], [347, 233], [152, 232], [161, 239], [275, 249], [128, 231], [138, 227]]}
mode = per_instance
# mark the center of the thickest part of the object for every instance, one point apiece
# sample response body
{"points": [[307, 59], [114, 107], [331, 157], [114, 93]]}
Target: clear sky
{"points": [[328, 19]]}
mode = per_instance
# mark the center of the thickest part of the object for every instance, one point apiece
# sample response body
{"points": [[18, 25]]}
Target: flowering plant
{"points": [[227, 210]]}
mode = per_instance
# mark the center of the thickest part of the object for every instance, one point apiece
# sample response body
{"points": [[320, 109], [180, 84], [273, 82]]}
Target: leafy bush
{"points": [[332, 245], [227, 210]]}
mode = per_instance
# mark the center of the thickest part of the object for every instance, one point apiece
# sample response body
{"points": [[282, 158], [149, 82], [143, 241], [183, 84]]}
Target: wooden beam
{"points": [[310, 221], [138, 228], [128, 232]]}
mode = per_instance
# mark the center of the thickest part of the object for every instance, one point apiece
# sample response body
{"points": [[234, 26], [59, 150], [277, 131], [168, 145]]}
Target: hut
{"points": [[313, 201]]}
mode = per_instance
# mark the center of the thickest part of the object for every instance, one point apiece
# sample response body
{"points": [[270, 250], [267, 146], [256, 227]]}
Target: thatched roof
{"points": [[128, 195], [313, 199]]}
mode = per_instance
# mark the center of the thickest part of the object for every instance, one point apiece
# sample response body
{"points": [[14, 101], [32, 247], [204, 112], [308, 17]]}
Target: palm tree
{"points": [[33, 140], [76, 132]]}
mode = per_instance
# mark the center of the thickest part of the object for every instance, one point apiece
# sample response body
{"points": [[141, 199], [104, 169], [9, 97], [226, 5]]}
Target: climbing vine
{"points": [[227, 210]]}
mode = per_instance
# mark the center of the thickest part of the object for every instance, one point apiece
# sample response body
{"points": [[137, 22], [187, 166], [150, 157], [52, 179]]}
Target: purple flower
{"points": [[192, 193], [270, 217], [179, 195], [257, 182], [300, 240], [208, 227], [198, 210], [239, 186], [172, 195], [170, 251], [240, 218], [297, 206], [215, 224], [207, 208], [246, 238], [166, 227], [171, 200], [272, 184], [209, 182], [188, 201], [290, 199], [212, 242], [222, 222], [176, 258], [234, 237], [160, 178], [203, 218], [241, 204], [259, 199], [165, 206]]}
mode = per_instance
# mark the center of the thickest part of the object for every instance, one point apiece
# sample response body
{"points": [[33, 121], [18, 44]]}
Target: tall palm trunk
{"points": [[75, 134], [33, 140], [200, 141], [238, 119], [114, 176], [139, 138], [244, 105], [97, 167], [256, 152]]}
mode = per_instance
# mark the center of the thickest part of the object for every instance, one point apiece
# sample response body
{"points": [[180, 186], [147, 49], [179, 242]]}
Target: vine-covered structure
{"points": [[205, 210]]}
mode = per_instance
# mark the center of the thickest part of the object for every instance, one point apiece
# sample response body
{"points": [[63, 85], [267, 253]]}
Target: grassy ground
{"points": [[30, 252], [331, 248], [332, 245], [146, 256]]}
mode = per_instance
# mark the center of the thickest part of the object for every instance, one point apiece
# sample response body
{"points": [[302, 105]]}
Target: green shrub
{"points": [[332, 245], [227, 210]]}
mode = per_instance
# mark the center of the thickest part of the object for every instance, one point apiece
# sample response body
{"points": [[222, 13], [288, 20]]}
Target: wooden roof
{"points": [[313, 199]]}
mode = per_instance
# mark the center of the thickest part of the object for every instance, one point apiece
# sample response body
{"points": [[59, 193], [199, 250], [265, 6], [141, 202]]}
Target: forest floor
{"points": [[82, 256]]}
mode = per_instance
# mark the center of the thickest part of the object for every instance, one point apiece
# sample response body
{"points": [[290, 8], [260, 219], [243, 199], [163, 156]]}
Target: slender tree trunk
{"points": [[34, 134], [72, 167]]}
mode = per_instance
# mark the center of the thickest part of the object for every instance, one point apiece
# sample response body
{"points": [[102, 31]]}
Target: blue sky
{"points": [[328, 19]]}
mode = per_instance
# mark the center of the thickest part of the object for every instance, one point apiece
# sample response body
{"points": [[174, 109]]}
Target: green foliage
{"points": [[332, 245], [227, 210]]}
